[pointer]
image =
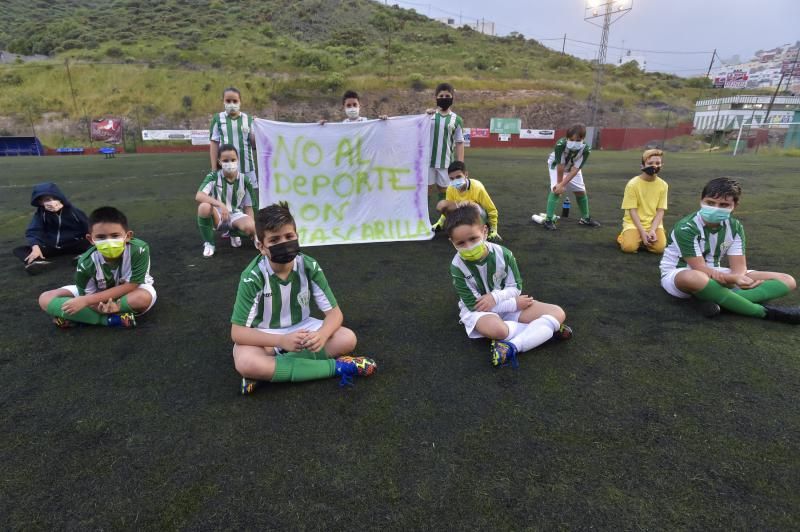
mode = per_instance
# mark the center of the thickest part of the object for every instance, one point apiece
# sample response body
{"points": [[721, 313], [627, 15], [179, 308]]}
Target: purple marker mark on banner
{"points": [[264, 165], [418, 168]]}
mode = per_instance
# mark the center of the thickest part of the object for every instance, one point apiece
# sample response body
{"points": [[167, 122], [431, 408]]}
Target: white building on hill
{"points": [[725, 114], [764, 70], [482, 26]]}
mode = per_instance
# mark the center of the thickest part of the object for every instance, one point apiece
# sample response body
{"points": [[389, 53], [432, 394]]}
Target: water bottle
{"points": [[565, 207]]}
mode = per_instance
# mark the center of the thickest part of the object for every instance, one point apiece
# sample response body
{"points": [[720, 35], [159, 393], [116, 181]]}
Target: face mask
{"points": [[111, 248], [352, 112], [574, 145], [230, 167], [459, 183], [231, 108], [473, 253], [53, 205], [714, 215], [284, 252], [651, 170], [444, 103]]}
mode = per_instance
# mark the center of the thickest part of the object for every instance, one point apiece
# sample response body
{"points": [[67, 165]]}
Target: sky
{"points": [[733, 27]]}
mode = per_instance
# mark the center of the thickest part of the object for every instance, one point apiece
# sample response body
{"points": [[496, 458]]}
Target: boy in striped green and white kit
{"points": [[692, 261], [276, 338], [491, 303], [235, 128], [447, 139]]}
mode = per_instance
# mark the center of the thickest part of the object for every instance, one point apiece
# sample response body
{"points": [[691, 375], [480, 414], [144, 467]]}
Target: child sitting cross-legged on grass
{"points": [[276, 338], [489, 287]]}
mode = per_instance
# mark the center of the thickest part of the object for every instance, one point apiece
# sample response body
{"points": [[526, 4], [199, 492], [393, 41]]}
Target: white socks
{"points": [[526, 337]]}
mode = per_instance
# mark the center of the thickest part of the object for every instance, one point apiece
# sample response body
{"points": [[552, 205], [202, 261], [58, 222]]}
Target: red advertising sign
{"points": [[107, 130], [480, 133]]}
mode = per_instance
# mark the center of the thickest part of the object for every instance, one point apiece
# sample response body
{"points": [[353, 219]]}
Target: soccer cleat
{"points": [[236, 242], [63, 323], [249, 386], [709, 309], [348, 367], [504, 353], [784, 314], [38, 266], [550, 225], [588, 222], [208, 250], [563, 333], [122, 321], [437, 227]]}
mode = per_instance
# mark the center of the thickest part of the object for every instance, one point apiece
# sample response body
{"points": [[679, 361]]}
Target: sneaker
{"points": [[38, 266], [504, 353], [563, 333], [122, 321], [784, 314], [249, 386], [236, 242], [349, 366], [63, 323], [208, 250], [550, 225], [709, 309], [588, 222]]}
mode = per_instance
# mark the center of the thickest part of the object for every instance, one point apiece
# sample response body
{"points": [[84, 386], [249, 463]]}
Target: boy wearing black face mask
{"points": [[276, 338], [447, 139], [644, 202]]}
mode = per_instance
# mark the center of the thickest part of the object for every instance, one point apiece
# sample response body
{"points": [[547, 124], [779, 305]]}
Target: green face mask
{"points": [[110, 248], [473, 253]]}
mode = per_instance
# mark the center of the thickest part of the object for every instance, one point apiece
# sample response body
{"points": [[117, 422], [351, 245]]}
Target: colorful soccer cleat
{"points": [[563, 333], [122, 321], [504, 353], [63, 323], [550, 225], [236, 242], [249, 386], [348, 367]]}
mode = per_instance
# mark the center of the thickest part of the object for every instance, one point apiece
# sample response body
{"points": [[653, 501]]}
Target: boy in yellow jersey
{"points": [[462, 188], [644, 202]]}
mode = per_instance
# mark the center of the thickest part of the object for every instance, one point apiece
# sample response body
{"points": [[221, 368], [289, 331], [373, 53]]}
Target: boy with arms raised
{"points": [[112, 281], [447, 139], [691, 265], [489, 287], [645, 201], [463, 188], [276, 338], [351, 105], [226, 198]]}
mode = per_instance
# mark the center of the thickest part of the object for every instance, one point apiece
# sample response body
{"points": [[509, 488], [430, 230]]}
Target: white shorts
{"points": [[148, 287], [668, 281], [575, 185], [252, 177], [469, 318], [438, 176], [222, 226]]}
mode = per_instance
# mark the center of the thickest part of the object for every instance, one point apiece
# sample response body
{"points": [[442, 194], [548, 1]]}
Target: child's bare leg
{"points": [[492, 326], [539, 309], [691, 281], [245, 225], [46, 297], [785, 278], [341, 342], [254, 362], [139, 300]]}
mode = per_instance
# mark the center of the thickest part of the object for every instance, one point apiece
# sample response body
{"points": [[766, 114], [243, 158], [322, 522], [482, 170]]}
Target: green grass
{"points": [[651, 417]]}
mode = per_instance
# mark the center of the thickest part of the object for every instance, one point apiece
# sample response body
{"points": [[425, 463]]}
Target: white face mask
{"points": [[231, 108], [230, 167], [352, 112], [574, 145], [53, 205]]}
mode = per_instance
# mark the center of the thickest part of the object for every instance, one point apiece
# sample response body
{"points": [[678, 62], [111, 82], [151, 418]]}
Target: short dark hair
{"points": [[722, 187], [107, 215], [577, 129], [350, 94], [465, 213], [445, 87], [455, 166], [231, 89], [227, 147], [272, 217]]}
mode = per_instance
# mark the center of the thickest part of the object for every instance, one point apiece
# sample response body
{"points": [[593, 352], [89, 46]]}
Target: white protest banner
{"points": [[348, 183], [537, 134], [166, 134]]}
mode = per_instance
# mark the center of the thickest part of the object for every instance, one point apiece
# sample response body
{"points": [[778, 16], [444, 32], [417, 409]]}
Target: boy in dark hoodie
{"points": [[57, 228]]}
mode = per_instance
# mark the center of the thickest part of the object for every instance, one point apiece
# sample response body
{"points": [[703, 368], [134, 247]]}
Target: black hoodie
{"points": [[55, 229]]}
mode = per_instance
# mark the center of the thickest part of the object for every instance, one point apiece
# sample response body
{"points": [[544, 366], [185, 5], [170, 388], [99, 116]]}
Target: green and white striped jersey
{"points": [[569, 158], [228, 130], [95, 274], [236, 196], [266, 301], [494, 273], [446, 131], [691, 237]]}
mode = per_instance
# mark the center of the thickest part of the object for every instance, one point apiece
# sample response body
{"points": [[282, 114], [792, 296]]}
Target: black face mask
{"points": [[651, 170], [284, 252], [444, 103]]}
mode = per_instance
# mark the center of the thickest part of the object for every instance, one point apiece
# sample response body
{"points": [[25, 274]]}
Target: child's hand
{"points": [[108, 307], [485, 303], [36, 253], [384, 117], [746, 283], [224, 213], [75, 304], [293, 341], [430, 110], [651, 236], [524, 302], [720, 277], [314, 341], [322, 122], [558, 189]]}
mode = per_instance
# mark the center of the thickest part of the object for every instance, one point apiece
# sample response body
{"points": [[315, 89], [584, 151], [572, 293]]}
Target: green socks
{"points": [[769, 289], [85, 315], [730, 300], [206, 226], [552, 203], [124, 306], [308, 355], [583, 205], [288, 369]]}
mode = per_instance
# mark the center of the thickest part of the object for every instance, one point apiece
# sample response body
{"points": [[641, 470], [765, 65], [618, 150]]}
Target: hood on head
{"points": [[47, 189]]}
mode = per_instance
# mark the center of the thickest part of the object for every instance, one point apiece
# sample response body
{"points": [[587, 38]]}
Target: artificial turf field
{"points": [[651, 417]]}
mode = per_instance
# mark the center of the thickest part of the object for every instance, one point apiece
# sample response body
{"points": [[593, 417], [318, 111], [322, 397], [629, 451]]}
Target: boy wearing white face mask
{"points": [[112, 280], [691, 265], [491, 303], [565, 165], [226, 201], [351, 105], [57, 228], [463, 188], [235, 128]]}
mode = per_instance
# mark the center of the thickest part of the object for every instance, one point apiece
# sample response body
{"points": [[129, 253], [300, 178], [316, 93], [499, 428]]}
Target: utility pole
{"points": [[564, 44], [71, 88], [711, 64]]}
